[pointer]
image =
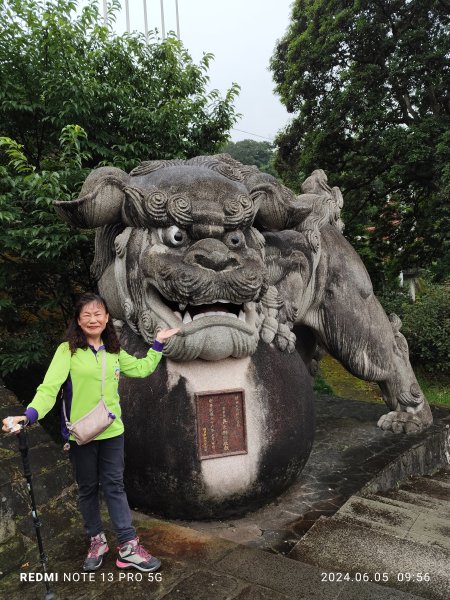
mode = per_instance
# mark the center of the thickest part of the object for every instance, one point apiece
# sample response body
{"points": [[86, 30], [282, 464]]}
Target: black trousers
{"points": [[102, 462]]}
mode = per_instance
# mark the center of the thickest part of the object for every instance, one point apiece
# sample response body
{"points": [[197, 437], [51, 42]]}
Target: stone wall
{"points": [[53, 488]]}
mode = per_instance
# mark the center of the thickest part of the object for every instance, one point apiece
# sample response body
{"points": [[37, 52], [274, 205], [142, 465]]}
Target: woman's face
{"points": [[92, 320]]}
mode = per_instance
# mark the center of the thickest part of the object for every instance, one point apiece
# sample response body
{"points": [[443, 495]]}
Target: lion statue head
{"points": [[180, 243]]}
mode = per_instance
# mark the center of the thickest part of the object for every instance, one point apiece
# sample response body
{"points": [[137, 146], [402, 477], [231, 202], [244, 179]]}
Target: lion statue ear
{"points": [[277, 208], [100, 201]]}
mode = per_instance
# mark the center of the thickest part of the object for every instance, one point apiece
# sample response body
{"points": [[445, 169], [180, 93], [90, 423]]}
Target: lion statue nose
{"points": [[217, 261], [213, 255]]}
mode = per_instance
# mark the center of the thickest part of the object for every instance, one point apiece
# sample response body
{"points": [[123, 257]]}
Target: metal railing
{"points": [[144, 2]]}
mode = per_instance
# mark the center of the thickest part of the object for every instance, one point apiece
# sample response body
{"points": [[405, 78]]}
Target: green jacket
{"points": [[85, 369]]}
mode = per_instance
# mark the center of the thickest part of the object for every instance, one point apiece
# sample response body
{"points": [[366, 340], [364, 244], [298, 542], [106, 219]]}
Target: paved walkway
{"points": [[348, 452], [240, 559]]}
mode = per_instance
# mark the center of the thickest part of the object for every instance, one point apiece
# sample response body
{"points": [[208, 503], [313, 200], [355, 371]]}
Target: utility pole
{"points": [[163, 27], [178, 19], [105, 13], [145, 21], [127, 13]]}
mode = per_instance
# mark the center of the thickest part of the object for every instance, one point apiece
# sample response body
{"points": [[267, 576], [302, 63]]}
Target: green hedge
{"points": [[426, 325]]}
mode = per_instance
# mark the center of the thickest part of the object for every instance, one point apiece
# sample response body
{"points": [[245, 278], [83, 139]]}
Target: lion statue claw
{"points": [[406, 422]]}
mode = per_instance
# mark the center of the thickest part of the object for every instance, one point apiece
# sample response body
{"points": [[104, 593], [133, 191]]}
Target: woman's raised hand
{"points": [[165, 334]]}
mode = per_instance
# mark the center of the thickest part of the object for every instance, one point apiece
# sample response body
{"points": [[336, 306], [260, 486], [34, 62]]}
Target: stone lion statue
{"points": [[236, 259]]}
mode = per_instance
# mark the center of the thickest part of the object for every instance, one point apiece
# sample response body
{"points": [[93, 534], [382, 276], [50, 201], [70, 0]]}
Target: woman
{"points": [[78, 364]]}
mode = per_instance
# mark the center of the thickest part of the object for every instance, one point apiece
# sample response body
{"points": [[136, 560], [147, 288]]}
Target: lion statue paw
{"points": [[406, 422]]}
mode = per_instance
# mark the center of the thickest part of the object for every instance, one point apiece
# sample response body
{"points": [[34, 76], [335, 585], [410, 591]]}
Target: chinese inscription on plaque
{"points": [[221, 423]]}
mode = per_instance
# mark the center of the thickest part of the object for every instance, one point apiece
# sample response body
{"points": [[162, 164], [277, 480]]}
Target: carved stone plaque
{"points": [[221, 423]]}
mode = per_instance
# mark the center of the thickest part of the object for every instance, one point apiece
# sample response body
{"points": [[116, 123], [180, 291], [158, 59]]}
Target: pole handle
{"points": [[23, 441]]}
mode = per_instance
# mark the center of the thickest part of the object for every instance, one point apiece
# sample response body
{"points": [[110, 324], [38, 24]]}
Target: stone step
{"points": [[405, 523], [427, 531], [430, 486], [369, 512], [443, 475], [294, 579], [412, 501], [195, 566], [339, 544]]}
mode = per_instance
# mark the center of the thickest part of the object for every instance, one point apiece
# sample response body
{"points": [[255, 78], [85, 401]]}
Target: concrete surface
{"points": [[338, 518]]}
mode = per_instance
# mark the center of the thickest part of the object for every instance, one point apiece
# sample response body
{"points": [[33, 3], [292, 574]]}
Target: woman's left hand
{"points": [[165, 334]]}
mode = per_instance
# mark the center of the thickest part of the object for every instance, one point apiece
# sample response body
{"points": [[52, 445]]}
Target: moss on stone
{"points": [[345, 385], [12, 553], [5, 453]]}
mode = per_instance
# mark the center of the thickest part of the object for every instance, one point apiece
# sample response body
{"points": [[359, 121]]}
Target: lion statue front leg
{"points": [[376, 351], [327, 299], [410, 411], [353, 327]]}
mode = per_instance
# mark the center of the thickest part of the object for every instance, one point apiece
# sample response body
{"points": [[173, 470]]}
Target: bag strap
{"points": [[64, 408], [103, 386], [103, 373]]}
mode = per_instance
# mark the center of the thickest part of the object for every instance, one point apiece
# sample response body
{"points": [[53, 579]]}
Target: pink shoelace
{"points": [[96, 543], [139, 550]]}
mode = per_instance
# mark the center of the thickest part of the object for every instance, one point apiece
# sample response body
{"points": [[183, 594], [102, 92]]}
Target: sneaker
{"points": [[97, 551], [132, 554]]}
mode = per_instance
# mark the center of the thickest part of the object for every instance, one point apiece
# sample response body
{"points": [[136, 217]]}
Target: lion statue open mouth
{"points": [[234, 258]]}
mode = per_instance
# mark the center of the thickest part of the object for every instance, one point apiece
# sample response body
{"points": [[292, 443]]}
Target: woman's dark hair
{"points": [[75, 335]]}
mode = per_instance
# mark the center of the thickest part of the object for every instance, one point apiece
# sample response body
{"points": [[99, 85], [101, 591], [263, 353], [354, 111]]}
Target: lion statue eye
{"points": [[173, 236]]}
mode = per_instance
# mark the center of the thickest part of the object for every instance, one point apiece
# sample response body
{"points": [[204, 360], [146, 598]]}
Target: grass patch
{"points": [[436, 389], [321, 386], [333, 379], [341, 383]]}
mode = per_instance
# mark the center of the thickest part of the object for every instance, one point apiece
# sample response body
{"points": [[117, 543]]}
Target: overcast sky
{"points": [[242, 35]]}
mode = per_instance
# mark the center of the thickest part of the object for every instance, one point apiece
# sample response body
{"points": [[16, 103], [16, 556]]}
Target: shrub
{"points": [[426, 325]]}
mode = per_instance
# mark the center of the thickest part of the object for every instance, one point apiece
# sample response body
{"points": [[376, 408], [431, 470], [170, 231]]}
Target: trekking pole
{"points": [[23, 447]]}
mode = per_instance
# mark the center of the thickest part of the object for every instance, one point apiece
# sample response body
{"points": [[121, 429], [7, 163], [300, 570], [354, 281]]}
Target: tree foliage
{"points": [[43, 263], [426, 324], [367, 82], [135, 100], [250, 152], [75, 96]]}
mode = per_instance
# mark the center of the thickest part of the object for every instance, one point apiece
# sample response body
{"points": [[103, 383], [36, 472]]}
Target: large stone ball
{"points": [[166, 470]]}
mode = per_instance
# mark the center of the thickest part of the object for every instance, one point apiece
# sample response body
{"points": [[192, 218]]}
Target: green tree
{"points": [[425, 324], [367, 82], [75, 96], [134, 100], [43, 263], [250, 152]]}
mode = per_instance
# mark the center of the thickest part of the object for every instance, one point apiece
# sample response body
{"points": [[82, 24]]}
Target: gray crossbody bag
{"points": [[93, 423]]}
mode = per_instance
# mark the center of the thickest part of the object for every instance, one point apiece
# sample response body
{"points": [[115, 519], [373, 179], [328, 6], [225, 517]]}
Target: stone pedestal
{"points": [[211, 439]]}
